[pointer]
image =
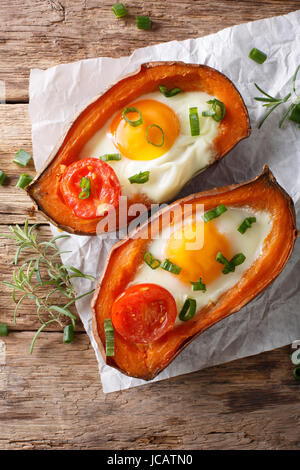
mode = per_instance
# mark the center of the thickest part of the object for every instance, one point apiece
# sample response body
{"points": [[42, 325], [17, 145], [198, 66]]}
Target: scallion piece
{"points": [[167, 265], [110, 156], [199, 285], [143, 22], [188, 310], [295, 357], [217, 111], [155, 126], [3, 177], [24, 181], [68, 336], [168, 93], [257, 55], [140, 178], [3, 329], [153, 263], [110, 337], [194, 121], [22, 158], [132, 109], [296, 373], [295, 114], [85, 184], [230, 265], [247, 223], [119, 10], [213, 213]]}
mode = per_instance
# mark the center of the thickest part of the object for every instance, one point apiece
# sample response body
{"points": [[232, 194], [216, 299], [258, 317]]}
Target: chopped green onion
{"points": [[168, 93], [153, 263], [143, 22], [110, 337], [23, 181], [230, 265], [213, 213], [167, 265], [3, 329], [68, 336], [295, 114], [85, 184], [295, 357], [194, 121], [3, 177], [162, 135], [188, 310], [119, 10], [133, 109], [199, 285], [22, 158], [217, 111], [110, 156], [296, 373], [247, 223], [257, 55], [140, 178]]}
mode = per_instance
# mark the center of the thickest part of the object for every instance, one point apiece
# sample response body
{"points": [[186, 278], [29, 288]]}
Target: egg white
{"points": [[250, 244], [168, 173]]}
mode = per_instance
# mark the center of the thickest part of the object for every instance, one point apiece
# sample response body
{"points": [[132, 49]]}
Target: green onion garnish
{"points": [[199, 285], [68, 336], [143, 22], [257, 55], [194, 121], [110, 156], [153, 263], [140, 178], [217, 111], [188, 310], [296, 373], [167, 265], [295, 357], [168, 93], [230, 265], [22, 158], [247, 223], [119, 10], [213, 213], [162, 135], [85, 184], [110, 337], [3, 177], [133, 109], [3, 329], [23, 181], [295, 114]]}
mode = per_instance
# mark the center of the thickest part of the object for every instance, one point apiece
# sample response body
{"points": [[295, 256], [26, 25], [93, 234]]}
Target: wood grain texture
{"points": [[49, 32], [53, 399]]}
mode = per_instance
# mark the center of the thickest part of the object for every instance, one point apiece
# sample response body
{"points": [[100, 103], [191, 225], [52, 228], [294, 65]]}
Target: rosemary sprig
{"points": [[273, 103], [28, 282]]}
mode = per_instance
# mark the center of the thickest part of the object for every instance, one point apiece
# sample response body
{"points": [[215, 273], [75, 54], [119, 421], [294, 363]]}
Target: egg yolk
{"points": [[194, 248], [143, 142]]}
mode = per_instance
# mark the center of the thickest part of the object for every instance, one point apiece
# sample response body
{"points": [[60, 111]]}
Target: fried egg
{"points": [[169, 152], [194, 245]]}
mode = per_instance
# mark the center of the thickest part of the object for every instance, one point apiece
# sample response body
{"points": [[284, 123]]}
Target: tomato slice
{"points": [[105, 189], [143, 313]]}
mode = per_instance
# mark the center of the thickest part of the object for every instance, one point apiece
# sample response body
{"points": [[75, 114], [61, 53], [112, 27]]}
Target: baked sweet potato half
{"points": [[226, 114], [265, 239]]}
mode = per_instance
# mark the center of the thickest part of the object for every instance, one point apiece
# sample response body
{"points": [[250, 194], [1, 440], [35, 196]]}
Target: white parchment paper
{"points": [[272, 319]]}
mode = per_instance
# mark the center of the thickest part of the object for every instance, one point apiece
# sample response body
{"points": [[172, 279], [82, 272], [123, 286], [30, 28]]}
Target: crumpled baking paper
{"points": [[273, 319]]}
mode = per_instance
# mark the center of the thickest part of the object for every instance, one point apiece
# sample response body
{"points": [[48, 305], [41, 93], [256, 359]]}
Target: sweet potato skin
{"points": [[44, 189], [262, 193]]}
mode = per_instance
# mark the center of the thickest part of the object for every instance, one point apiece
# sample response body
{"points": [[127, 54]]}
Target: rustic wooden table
{"points": [[53, 399]]}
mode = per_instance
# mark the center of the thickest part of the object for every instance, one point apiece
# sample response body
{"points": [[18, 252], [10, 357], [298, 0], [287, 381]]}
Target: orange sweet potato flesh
{"points": [[146, 361], [44, 189]]}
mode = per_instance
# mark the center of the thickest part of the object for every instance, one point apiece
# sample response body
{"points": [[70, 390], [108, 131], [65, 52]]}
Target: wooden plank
{"points": [[45, 33], [53, 400]]}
